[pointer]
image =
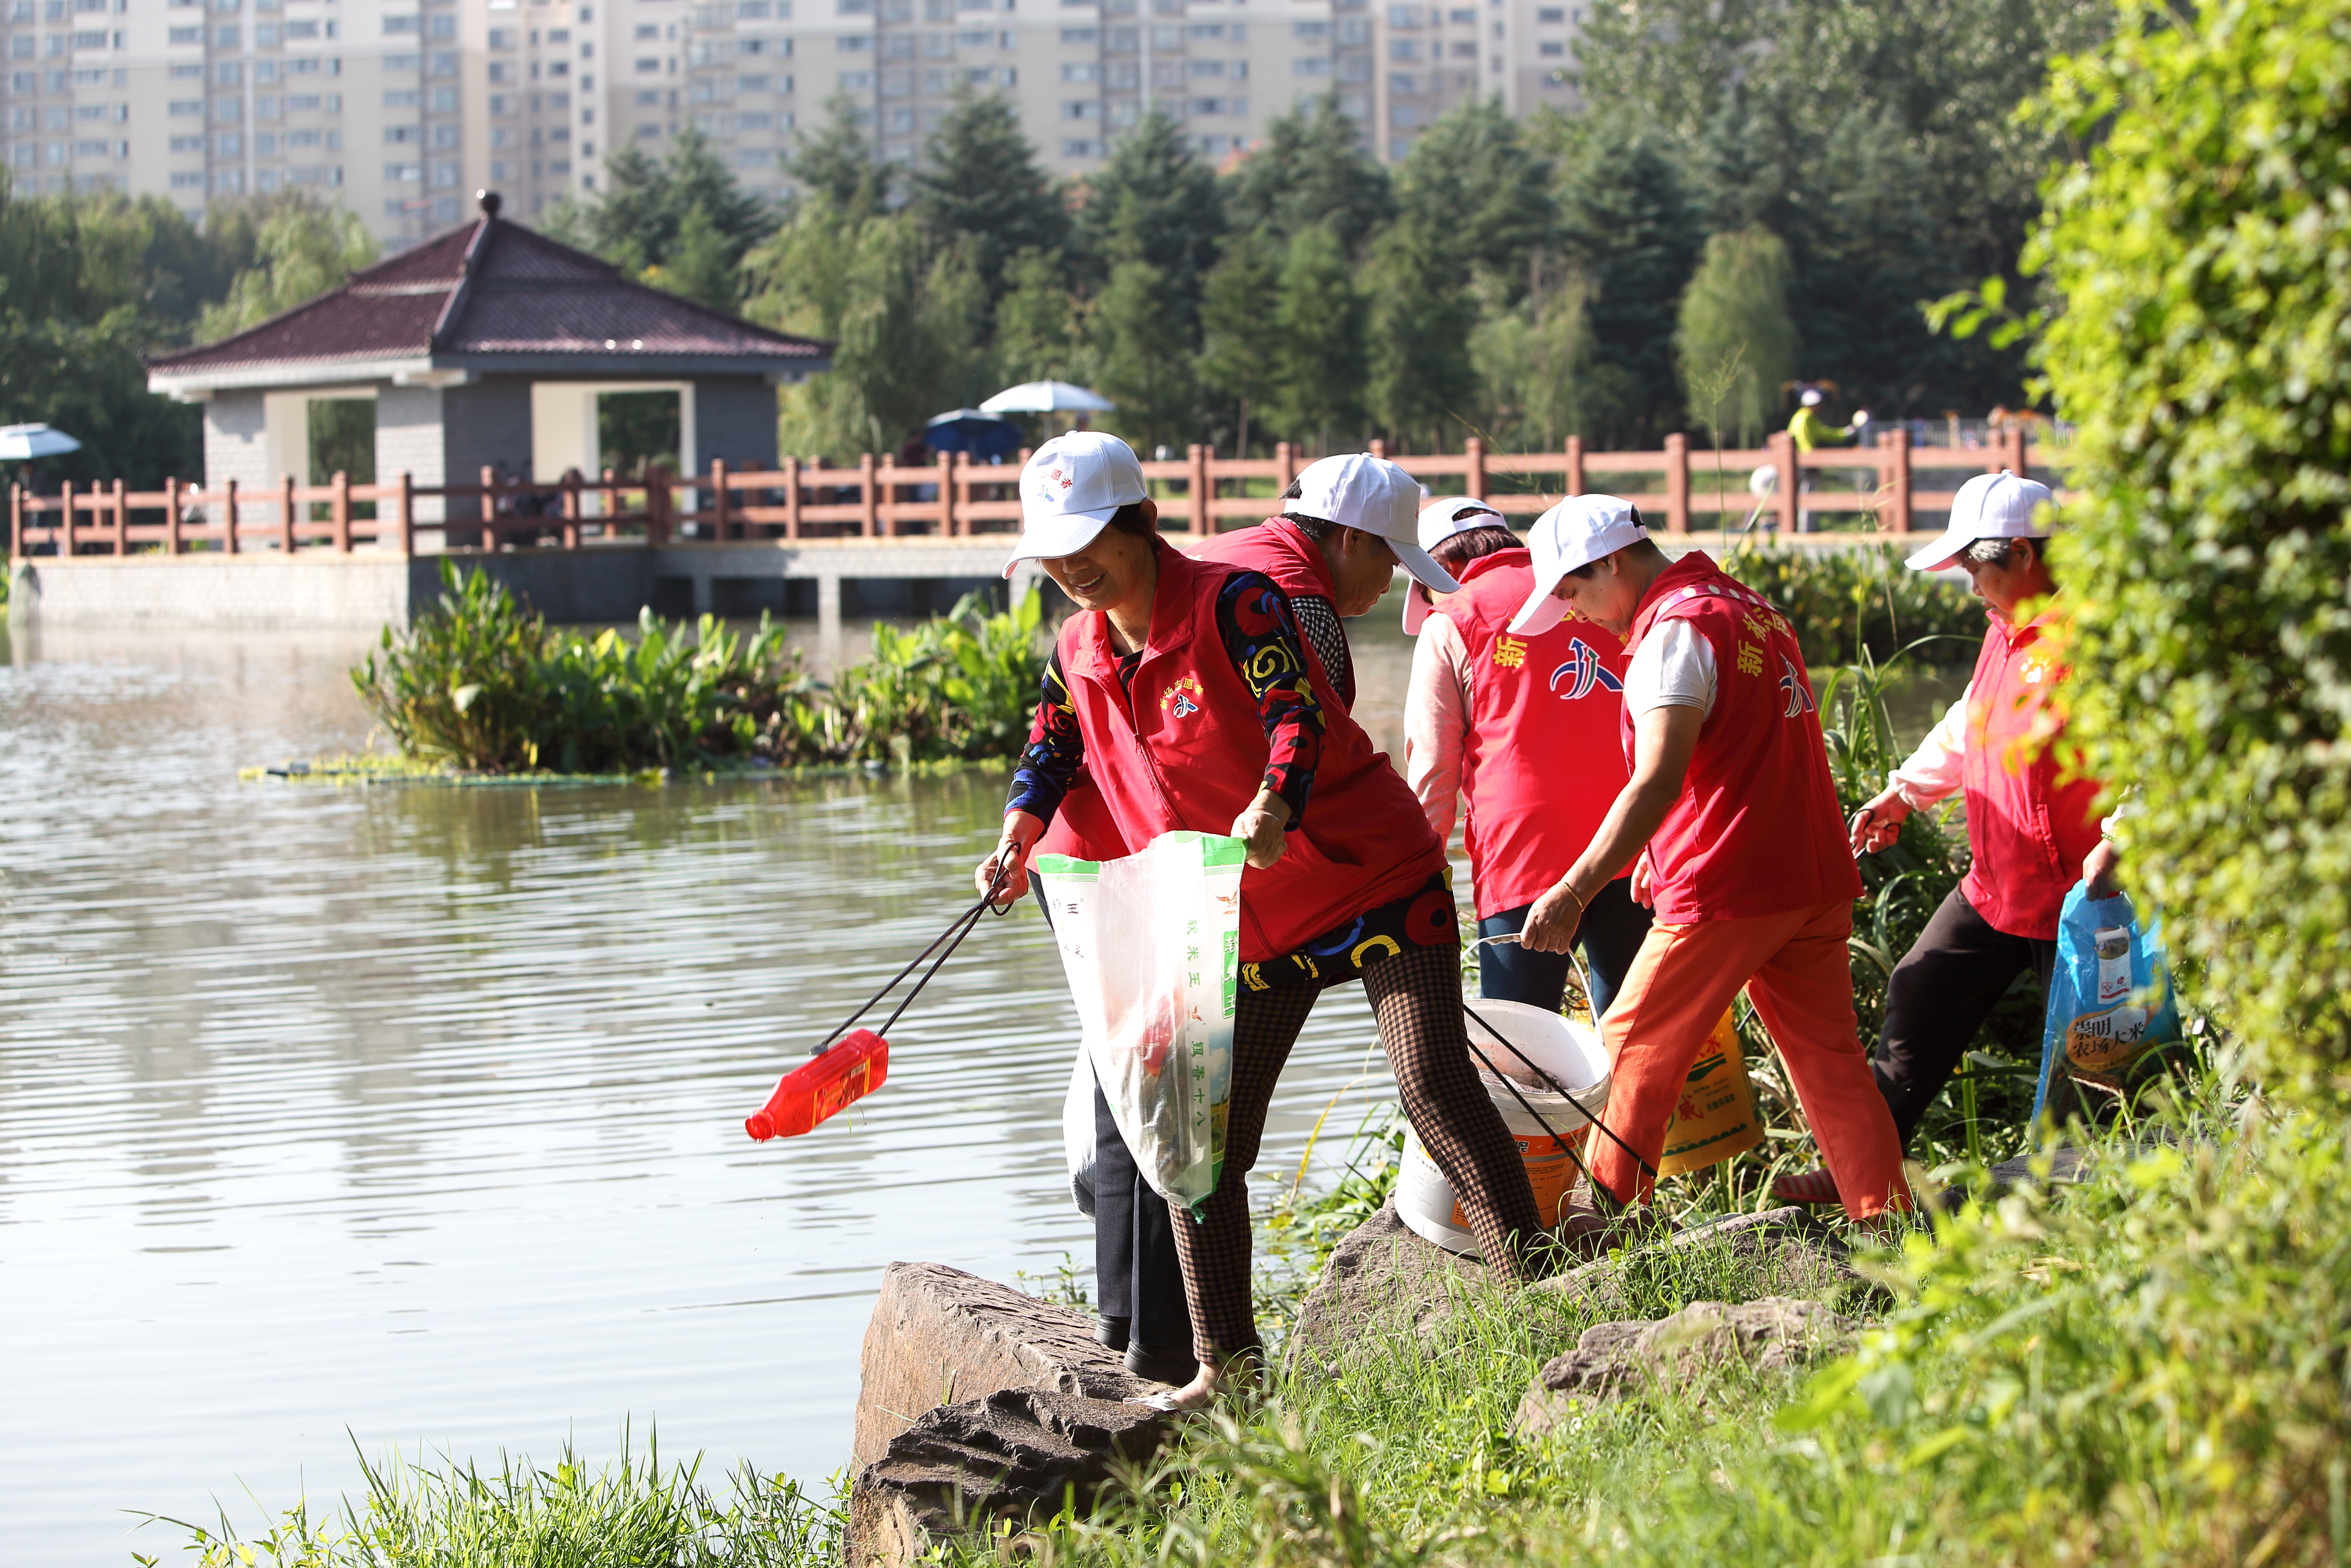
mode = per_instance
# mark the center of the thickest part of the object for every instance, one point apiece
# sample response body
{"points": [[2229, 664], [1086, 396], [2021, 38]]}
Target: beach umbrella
{"points": [[23, 442], [1048, 397], [969, 430]]}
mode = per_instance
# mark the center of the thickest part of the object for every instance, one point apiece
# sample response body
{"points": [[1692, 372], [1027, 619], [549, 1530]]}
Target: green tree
{"points": [[1318, 343], [1533, 362], [1145, 353], [701, 264], [1154, 201], [1626, 224], [1313, 172], [1735, 345], [980, 185], [303, 249], [1237, 320], [1037, 326], [640, 220], [838, 163], [2203, 259], [1473, 177], [1421, 317]]}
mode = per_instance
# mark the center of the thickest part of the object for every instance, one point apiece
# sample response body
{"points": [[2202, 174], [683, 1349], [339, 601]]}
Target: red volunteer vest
{"points": [[1083, 829], [1185, 750], [1543, 760], [1279, 548], [2028, 828], [1757, 829]]}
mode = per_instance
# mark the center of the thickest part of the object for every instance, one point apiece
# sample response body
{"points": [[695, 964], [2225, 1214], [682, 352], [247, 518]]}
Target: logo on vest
{"points": [[1509, 651], [1178, 698], [1584, 672], [1798, 696]]}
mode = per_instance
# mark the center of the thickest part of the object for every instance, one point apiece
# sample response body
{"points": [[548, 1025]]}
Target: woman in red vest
{"points": [[1526, 728], [1742, 848], [1333, 560], [1182, 688], [2032, 831]]}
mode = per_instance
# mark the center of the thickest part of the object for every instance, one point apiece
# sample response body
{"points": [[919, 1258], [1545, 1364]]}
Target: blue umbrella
{"points": [[969, 430]]}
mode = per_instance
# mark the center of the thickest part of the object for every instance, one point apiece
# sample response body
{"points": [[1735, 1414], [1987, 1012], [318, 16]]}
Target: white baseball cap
{"points": [[1810, 397], [1070, 490], [1989, 506], [1439, 521], [1359, 491], [1576, 532]]}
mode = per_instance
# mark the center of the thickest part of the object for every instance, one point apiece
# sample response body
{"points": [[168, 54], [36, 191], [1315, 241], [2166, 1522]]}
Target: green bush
{"points": [[483, 683], [1847, 603], [2203, 253]]}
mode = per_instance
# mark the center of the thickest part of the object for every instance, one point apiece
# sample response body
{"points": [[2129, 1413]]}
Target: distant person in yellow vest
{"points": [[1810, 431]]}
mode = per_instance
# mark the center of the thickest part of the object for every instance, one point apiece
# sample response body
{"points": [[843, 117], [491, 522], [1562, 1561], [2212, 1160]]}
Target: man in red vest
{"points": [[1525, 729], [1741, 845], [2032, 828], [1333, 550]]}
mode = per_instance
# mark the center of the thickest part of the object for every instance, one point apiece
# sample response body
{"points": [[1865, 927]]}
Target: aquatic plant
{"points": [[1846, 603], [483, 683]]}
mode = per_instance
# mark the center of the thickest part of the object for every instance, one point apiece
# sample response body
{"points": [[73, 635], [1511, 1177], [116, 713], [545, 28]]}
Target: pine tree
{"points": [[1473, 177], [1037, 334], [1312, 171], [1533, 362], [302, 248], [1238, 360], [980, 182], [1156, 201], [637, 222], [1420, 320], [1318, 343], [838, 163], [1735, 345], [1625, 222], [699, 265], [1145, 349]]}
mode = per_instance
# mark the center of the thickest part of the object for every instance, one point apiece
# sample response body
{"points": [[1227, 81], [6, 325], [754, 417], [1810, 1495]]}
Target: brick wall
{"points": [[734, 418], [235, 447], [408, 440], [486, 423]]}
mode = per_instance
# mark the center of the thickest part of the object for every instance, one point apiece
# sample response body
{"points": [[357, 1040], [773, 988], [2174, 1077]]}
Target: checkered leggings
{"points": [[1415, 995]]}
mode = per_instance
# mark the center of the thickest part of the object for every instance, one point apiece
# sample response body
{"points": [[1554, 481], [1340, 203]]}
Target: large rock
{"points": [[1777, 1334], [1778, 1253], [940, 1336], [1017, 1455], [1381, 1279]]}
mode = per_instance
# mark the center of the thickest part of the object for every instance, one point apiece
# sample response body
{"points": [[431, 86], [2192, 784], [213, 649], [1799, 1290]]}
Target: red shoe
{"points": [[1814, 1186]]}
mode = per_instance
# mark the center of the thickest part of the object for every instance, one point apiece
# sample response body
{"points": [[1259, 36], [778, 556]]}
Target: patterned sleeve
{"points": [[1056, 749], [1261, 636], [1320, 623]]}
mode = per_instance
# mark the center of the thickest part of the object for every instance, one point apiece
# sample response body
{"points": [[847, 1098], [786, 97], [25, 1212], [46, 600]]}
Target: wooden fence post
{"points": [[718, 496], [871, 519], [490, 503], [1572, 483], [659, 520], [1285, 464], [339, 511], [569, 507], [1677, 511], [946, 496], [1898, 481], [171, 544], [407, 504], [286, 512], [1204, 519], [121, 520], [15, 521], [2018, 438], [65, 518], [792, 498], [1473, 475], [1786, 497]]}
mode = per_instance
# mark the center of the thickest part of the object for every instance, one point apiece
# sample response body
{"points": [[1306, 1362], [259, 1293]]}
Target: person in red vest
{"points": [[2033, 830], [1525, 729], [1332, 560], [1183, 688], [1741, 842]]}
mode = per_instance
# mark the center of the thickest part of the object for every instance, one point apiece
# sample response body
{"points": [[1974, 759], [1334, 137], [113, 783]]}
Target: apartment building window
{"points": [[228, 110], [1311, 66], [302, 138], [648, 100], [1403, 86], [649, 68], [188, 180], [445, 137], [750, 84], [400, 99], [187, 144], [1354, 30], [399, 174], [1551, 14], [400, 65], [856, 81], [193, 106], [1126, 74], [395, 25], [1168, 38], [1549, 50], [1085, 70], [1406, 16], [1197, 68], [854, 43], [1081, 108], [179, 35], [974, 40], [1403, 48], [265, 108], [300, 30], [230, 146], [445, 175], [754, 10]]}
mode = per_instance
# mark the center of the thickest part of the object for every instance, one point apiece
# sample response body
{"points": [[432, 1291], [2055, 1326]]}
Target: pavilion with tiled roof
{"points": [[487, 347]]}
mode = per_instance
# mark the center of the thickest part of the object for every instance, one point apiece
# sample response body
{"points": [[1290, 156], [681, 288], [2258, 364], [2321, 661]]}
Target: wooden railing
{"points": [[957, 498]]}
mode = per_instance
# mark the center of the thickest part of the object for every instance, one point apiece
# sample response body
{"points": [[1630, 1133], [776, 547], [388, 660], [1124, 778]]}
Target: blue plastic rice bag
{"points": [[2110, 1000], [1151, 944]]}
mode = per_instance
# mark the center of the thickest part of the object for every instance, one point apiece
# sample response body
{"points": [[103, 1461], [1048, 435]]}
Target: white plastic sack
{"points": [[1152, 947], [1077, 1133]]}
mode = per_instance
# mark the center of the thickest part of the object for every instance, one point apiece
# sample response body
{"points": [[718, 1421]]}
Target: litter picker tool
{"points": [[841, 1071]]}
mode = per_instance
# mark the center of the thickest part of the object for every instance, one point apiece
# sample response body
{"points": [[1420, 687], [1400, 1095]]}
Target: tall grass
{"points": [[632, 1513], [483, 683]]}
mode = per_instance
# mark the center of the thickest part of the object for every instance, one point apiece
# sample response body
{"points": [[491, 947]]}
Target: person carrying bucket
{"points": [[2032, 830], [1331, 567], [1526, 728], [1734, 821], [1182, 687]]}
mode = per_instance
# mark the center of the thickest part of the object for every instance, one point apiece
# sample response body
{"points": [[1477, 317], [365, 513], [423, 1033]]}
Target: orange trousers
{"points": [[1796, 971]]}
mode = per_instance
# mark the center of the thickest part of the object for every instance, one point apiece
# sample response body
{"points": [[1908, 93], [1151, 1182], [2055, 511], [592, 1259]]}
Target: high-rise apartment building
{"points": [[399, 109]]}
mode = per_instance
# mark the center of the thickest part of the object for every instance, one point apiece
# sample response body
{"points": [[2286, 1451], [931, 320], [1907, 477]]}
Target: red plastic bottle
{"points": [[815, 1090]]}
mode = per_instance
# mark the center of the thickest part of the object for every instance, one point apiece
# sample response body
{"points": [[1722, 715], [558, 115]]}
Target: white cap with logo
{"points": [[1439, 521], [1989, 506], [1359, 491], [1068, 492], [1577, 532]]}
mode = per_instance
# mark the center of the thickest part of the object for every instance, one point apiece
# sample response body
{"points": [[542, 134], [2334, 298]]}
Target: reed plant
{"points": [[484, 684]]}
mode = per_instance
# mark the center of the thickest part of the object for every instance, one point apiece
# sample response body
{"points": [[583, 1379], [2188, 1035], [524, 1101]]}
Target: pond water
{"points": [[336, 1117]]}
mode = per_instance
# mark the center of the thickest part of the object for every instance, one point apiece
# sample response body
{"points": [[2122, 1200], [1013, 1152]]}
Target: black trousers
{"points": [[1610, 934], [1940, 994], [1136, 1269]]}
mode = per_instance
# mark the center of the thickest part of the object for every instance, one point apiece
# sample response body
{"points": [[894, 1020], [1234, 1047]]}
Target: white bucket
{"points": [[1571, 1052]]}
